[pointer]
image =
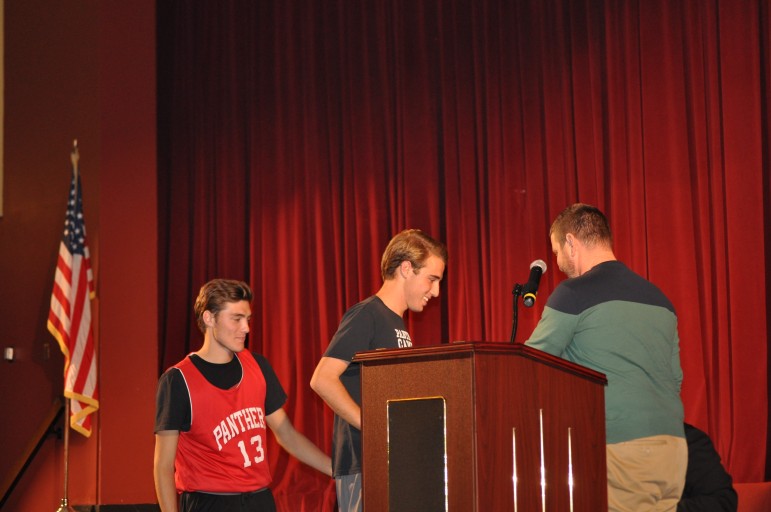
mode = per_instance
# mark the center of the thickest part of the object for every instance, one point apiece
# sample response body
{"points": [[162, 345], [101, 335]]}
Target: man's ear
{"points": [[208, 318], [405, 267]]}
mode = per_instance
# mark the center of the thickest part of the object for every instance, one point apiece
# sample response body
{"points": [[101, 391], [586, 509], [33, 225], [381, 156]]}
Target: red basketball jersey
{"points": [[224, 450]]}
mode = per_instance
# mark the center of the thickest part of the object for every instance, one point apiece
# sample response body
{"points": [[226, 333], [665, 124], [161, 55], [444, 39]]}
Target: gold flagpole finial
{"points": [[75, 156]]}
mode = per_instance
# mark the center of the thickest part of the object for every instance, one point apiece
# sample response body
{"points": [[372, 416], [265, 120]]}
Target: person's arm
{"points": [[554, 332], [297, 444], [326, 383], [163, 469], [677, 369]]}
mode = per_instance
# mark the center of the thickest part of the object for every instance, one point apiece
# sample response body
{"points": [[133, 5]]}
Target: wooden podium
{"points": [[487, 427]]}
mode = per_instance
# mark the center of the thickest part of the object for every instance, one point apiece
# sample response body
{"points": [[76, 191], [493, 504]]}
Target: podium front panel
{"points": [[417, 455], [523, 431], [447, 379]]}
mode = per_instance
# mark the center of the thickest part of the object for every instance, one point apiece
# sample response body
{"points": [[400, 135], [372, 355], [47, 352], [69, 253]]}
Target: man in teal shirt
{"points": [[610, 319]]}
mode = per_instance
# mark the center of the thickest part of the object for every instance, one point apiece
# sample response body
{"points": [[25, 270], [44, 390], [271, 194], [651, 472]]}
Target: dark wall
{"points": [[80, 70]]}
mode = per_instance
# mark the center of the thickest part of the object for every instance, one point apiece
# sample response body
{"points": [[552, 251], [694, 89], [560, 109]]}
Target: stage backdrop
{"points": [[296, 137]]}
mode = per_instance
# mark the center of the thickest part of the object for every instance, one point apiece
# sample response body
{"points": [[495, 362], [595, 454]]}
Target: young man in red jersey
{"points": [[213, 408]]}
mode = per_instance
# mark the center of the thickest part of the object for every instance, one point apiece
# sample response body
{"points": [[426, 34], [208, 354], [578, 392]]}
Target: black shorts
{"points": [[257, 501]]}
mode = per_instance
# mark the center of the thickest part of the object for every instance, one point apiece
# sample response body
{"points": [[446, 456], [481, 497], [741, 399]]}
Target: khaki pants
{"points": [[646, 474]]}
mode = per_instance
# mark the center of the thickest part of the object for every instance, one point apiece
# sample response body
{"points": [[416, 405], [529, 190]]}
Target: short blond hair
{"points": [[411, 245]]}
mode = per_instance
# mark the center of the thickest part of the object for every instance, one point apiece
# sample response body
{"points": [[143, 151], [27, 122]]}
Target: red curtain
{"points": [[296, 137]]}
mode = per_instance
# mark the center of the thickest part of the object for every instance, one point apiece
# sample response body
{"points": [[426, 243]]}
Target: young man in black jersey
{"points": [[412, 268], [212, 411]]}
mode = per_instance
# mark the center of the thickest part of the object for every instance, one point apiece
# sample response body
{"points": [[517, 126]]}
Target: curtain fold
{"points": [[296, 137]]}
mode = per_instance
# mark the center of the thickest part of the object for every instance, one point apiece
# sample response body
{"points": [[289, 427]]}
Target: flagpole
{"points": [[77, 347], [65, 505]]}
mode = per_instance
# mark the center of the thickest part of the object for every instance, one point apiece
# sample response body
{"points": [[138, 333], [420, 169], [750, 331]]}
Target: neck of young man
{"points": [[213, 352], [392, 295]]}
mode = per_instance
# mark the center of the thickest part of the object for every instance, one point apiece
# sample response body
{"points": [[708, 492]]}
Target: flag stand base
{"points": [[65, 507]]}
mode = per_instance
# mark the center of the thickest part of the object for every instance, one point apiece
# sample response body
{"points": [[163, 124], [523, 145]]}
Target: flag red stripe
{"points": [[57, 325], [77, 313], [63, 267], [88, 347]]}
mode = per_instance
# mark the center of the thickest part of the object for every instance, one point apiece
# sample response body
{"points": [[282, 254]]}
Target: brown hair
{"points": [[586, 222], [411, 245], [215, 294]]}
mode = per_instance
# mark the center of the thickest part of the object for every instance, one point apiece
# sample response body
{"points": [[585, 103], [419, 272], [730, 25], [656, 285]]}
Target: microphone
{"points": [[537, 268]]}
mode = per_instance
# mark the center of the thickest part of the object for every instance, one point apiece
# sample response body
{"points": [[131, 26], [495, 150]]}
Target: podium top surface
{"points": [[471, 349]]}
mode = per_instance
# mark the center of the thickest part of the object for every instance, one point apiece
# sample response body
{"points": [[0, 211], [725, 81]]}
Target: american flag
{"points": [[69, 319]]}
